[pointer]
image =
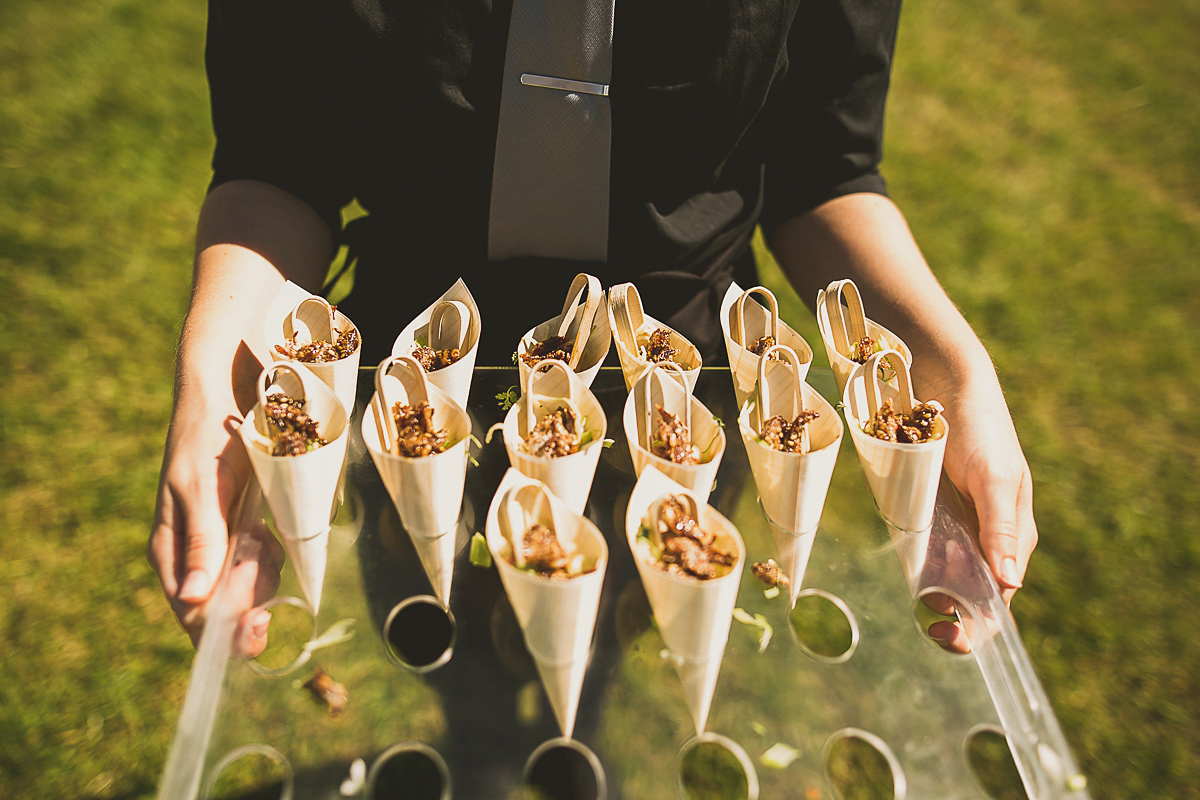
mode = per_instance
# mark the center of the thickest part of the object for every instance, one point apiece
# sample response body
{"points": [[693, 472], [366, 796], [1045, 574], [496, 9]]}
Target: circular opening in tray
{"points": [[860, 766], [293, 625], [408, 771], [714, 767], [563, 769], [823, 626], [933, 605], [987, 752], [419, 634], [252, 772]]}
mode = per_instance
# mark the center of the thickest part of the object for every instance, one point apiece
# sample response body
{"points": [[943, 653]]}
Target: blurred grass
{"points": [[1047, 155]]}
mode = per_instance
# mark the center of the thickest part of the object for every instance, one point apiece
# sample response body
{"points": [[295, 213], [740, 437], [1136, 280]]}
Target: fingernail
{"points": [[258, 628], [1008, 572], [196, 586]]}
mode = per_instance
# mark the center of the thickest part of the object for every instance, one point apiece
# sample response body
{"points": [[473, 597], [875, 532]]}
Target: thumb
{"points": [[206, 543]]}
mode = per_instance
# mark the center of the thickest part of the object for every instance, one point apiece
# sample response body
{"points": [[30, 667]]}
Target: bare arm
{"points": [[250, 238], [865, 237]]}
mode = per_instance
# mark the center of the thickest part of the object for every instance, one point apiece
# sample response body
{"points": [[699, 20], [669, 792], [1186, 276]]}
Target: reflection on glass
{"points": [[823, 626]]}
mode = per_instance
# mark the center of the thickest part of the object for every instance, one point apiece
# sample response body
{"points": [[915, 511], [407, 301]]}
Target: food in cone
{"points": [[551, 561], [749, 330], [443, 339], [418, 437], [690, 560], [849, 337], [579, 336], [643, 341], [296, 437], [903, 468], [306, 328], [792, 437], [555, 432]]}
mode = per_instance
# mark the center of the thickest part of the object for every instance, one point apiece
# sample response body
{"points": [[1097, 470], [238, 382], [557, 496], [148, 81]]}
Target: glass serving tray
{"points": [[835, 692]]}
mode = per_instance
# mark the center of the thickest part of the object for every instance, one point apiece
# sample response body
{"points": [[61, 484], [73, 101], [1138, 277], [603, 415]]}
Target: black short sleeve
{"points": [[275, 98], [822, 127]]}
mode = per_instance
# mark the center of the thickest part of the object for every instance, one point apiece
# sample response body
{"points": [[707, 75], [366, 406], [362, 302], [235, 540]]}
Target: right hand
{"points": [[205, 469]]}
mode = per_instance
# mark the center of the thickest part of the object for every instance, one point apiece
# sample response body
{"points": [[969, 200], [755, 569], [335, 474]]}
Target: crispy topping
{"points": [[786, 436], [673, 440], [554, 347], [892, 426], [544, 555], [416, 435], [770, 573], [760, 346], [319, 352], [658, 347], [292, 431], [556, 434], [863, 349], [431, 360], [687, 549], [328, 691]]}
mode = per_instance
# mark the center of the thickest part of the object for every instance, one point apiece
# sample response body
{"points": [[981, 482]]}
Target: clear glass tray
{"points": [[835, 694]]}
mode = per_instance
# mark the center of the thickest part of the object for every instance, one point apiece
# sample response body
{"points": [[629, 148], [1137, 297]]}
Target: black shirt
{"points": [[724, 114]]}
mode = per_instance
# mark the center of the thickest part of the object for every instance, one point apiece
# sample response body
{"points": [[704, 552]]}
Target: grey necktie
{"points": [[550, 179]]}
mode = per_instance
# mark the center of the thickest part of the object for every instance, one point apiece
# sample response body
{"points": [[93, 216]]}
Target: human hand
{"points": [[205, 469]]}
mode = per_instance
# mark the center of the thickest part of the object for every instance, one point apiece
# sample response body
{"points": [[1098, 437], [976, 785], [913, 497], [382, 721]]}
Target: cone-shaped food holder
{"points": [[579, 323], [300, 317], [426, 490], [693, 615], [451, 321], [640, 420], [300, 489], [557, 617], [544, 388], [842, 324], [793, 551], [631, 328], [903, 476], [744, 322], [791, 486]]}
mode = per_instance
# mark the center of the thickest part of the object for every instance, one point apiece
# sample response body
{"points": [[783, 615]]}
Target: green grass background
{"points": [[1047, 153]]}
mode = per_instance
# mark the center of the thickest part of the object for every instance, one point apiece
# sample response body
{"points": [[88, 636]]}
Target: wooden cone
{"points": [[630, 329], [454, 380], [296, 311], [693, 616], [841, 322], [676, 397], [793, 551], [437, 559], [579, 323], [300, 489], [544, 388], [744, 322], [791, 486], [557, 617], [903, 477]]}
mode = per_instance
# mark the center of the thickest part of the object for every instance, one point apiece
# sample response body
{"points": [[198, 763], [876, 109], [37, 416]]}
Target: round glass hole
{"points": [[293, 626], [714, 767], [419, 634], [991, 761], [934, 605], [823, 626], [860, 766], [563, 769], [408, 771], [253, 772]]}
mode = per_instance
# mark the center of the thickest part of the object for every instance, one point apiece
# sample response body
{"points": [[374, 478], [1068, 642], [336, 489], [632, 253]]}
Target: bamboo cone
{"points": [[903, 477], [791, 486], [310, 317], [300, 489], [842, 324], [793, 550], [912, 550], [557, 617], [440, 325], [542, 391], [693, 616], [578, 323], [743, 323], [631, 327], [676, 397], [426, 491]]}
